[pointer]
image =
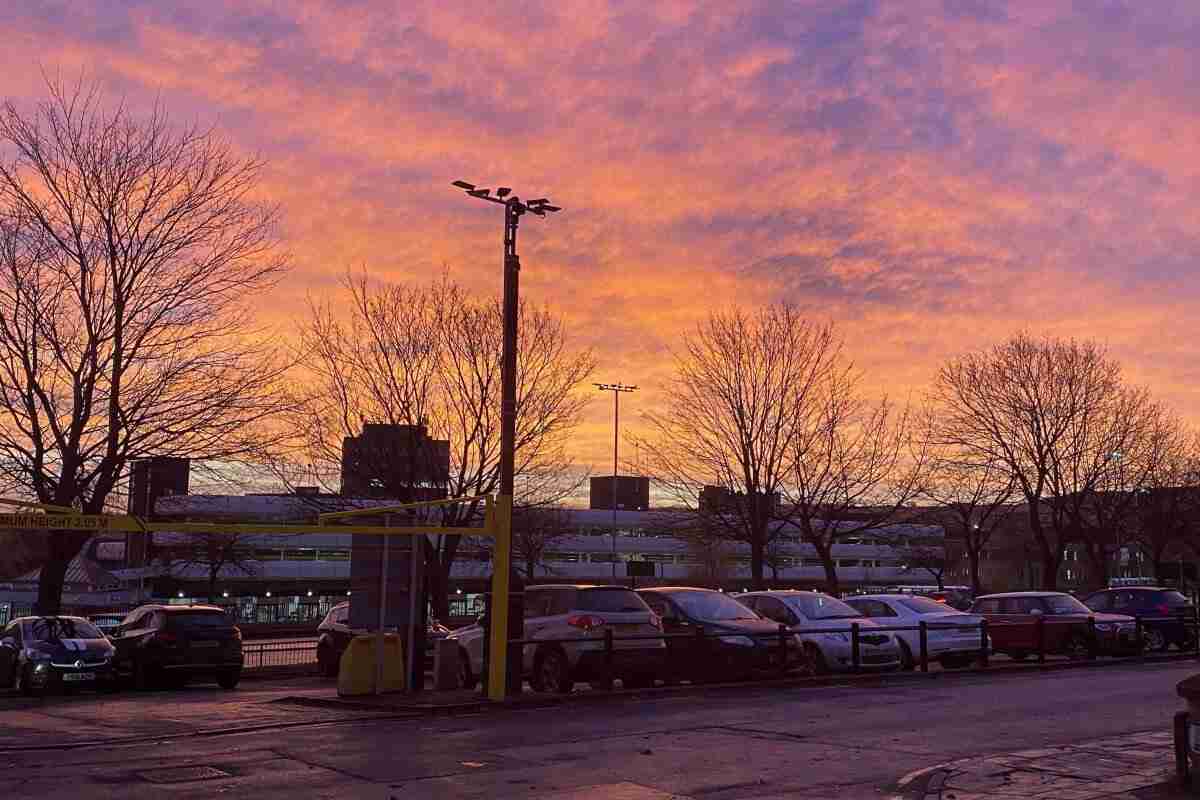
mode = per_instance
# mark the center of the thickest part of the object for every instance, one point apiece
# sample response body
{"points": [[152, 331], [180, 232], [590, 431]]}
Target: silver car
{"points": [[557, 616], [952, 637], [823, 624]]}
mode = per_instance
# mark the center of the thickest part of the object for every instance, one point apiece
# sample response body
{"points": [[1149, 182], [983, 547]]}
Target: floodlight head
{"points": [[503, 191], [539, 201], [479, 192], [551, 208], [463, 185]]}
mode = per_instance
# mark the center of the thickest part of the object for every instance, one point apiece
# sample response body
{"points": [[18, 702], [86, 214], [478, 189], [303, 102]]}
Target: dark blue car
{"points": [[38, 654], [1168, 618]]}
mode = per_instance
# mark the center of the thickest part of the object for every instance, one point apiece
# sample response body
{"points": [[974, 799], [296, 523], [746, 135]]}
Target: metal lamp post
{"points": [[617, 389], [514, 208]]}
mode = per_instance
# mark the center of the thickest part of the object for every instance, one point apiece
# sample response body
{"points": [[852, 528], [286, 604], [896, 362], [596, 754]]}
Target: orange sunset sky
{"points": [[932, 174]]}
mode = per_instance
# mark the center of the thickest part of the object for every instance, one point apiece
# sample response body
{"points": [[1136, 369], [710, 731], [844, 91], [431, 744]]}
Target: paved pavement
{"points": [[1110, 768], [846, 742]]}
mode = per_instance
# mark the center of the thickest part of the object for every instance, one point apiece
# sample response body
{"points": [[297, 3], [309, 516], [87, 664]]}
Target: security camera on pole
{"points": [[514, 208]]}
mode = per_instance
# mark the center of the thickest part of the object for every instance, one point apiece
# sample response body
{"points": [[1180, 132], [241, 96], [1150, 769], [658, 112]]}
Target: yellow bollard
{"points": [[356, 672]]}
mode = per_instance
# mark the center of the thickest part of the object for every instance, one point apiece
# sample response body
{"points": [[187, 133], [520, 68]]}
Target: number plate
{"points": [[79, 676]]}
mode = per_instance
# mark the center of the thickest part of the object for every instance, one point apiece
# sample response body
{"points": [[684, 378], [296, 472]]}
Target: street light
{"points": [[513, 209], [617, 389]]}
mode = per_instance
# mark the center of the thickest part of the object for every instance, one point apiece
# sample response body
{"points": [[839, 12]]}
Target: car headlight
{"points": [[836, 637], [739, 641], [1106, 626]]}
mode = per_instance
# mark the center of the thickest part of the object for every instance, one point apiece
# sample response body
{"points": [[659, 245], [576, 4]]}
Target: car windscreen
{"points": [[54, 630], [713, 606], [1065, 604], [923, 605], [198, 620], [814, 605], [614, 600]]}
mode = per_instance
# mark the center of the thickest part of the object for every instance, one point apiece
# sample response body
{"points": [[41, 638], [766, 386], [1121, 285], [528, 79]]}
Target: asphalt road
{"points": [[810, 742]]}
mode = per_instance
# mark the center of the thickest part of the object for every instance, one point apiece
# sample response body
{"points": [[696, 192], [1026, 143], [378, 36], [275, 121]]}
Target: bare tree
{"points": [[429, 356], [855, 465], [1167, 510], [215, 554], [742, 383], [1055, 413], [129, 253], [974, 501], [927, 556], [536, 530]]}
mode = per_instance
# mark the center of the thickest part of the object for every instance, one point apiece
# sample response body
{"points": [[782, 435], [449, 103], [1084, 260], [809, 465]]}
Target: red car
{"points": [[1013, 625]]}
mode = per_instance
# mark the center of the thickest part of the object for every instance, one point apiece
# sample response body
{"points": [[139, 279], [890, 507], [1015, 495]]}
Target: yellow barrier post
{"points": [[498, 644]]}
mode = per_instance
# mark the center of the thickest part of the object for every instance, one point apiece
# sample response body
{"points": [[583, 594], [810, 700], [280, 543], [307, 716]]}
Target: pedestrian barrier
{"points": [[785, 659]]}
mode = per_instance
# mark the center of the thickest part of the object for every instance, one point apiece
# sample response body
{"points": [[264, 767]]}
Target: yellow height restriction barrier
{"points": [[497, 525]]}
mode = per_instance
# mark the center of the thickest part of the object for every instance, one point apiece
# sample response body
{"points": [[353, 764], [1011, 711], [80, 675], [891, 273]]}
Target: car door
{"points": [[682, 650], [1007, 626], [129, 636], [10, 649]]}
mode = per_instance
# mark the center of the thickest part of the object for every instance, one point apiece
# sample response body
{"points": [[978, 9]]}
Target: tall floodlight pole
{"points": [[514, 208], [617, 389]]}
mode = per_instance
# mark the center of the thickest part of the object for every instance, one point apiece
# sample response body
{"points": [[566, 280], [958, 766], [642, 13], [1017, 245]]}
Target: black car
{"points": [[1167, 617], [175, 644], [736, 642], [38, 654], [335, 635]]}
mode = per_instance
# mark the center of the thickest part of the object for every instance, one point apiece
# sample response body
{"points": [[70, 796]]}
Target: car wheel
{"points": [[1153, 640], [466, 680], [1077, 647], [326, 662], [907, 662], [552, 673], [25, 683], [228, 679], [815, 659]]}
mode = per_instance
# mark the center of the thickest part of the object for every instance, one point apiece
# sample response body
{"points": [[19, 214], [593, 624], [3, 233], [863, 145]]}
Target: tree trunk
{"points": [[976, 580], [756, 563], [64, 546], [437, 582]]}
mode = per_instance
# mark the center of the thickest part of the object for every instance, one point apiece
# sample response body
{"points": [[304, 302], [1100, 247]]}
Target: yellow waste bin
{"points": [[356, 673]]}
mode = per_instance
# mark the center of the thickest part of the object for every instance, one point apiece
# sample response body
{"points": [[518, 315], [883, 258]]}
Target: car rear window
{"points": [[199, 619], [612, 600], [1171, 599]]}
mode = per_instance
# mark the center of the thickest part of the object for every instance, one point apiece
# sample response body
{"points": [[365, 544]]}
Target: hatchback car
{"points": [[735, 642], [952, 637], [334, 635], [43, 653], [822, 624], [177, 644], [1013, 625], [560, 614], [1167, 617]]}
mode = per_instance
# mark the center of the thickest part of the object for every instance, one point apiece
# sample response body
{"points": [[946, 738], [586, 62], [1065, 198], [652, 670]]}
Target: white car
{"points": [[952, 637], [822, 624]]}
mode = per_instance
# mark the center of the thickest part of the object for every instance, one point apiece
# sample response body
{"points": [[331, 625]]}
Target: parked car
{"points": [[1168, 618], [107, 623], [1013, 625], [737, 641], [38, 654], [958, 599], [952, 637], [566, 612], [177, 644], [822, 623], [335, 633]]}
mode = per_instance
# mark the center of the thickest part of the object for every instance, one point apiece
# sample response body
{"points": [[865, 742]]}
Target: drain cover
{"points": [[183, 774]]}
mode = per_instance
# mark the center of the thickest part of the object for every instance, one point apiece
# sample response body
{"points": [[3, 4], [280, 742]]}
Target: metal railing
{"points": [[260, 655], [1040, 644]]}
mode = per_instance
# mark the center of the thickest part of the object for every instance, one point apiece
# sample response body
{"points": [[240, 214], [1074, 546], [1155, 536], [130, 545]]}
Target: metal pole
{"points": [[383, 576], [616, 439], [414, 598], [508, 366]]}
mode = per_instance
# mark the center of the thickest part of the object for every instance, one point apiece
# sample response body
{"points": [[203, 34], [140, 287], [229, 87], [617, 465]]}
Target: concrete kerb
{"points": [[434, 708]]}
